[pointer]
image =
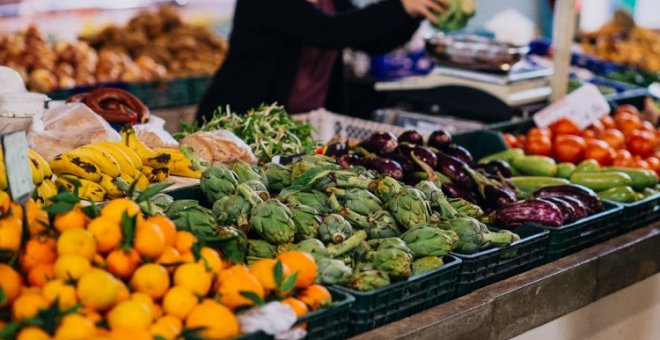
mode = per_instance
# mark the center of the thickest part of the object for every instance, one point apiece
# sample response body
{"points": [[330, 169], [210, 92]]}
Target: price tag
{"points": [[584, 106], [17, 166]]}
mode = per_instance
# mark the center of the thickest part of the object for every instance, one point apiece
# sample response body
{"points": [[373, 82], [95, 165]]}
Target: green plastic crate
{"points": [[640, 213], [492, 265], [402, 299], [480, 143], [156, 95], [198, 87]]}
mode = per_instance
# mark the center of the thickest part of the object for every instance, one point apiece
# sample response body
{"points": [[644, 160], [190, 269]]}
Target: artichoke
{"points": [[318, 160], [286, 247], [437, 199], [380, 224], [357, 200], [390, 243], [395, 262], [313, 198], [271, 219], [368, 280], [246, 172], [278, 176], [425, 240], [190, 216], [217, 182], [465, 208], [306, 220], [352, 243], [260, 249], [258, 187], [426, 264], [333, 272], [299, 168], [233, 210], [334, 228], [409, 207], [232, 244], [474, 236], [385, 188], [314, 247]]}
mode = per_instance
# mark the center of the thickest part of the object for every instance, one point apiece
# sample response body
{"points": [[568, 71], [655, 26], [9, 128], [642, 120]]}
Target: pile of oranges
{"points": [[623, 139], [120, 275]]}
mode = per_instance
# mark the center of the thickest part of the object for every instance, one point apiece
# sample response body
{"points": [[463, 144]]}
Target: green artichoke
{"points": [[272, 220], [246, 172], [390, 243], [334, 228], [395, 262], [426, 264], [409, 207], [426, 240], [368, 280], [465, 208], [314, 247], [385, 188], [333, 272], [217, 182], [357, 200], [278, 176], [190, 216], [260, 249], [232, 244], [258, 187], [437, 199], [380, 224], [319, 160], [349, 245], [233, 210], [474, 236], [313, 198], [299, 168], [307, 221]]}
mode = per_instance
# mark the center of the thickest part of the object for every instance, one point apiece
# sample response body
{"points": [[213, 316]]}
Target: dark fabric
{"points": [[268, 35]]}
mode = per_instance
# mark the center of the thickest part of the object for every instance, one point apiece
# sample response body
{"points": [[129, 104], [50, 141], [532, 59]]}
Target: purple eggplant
{"points": [[411, 137], [425, 155], [385, 166], [349, 160], [497, 197], [533, 210], [583, 194], [380, 143], [580, 210], [439, 139], [496, 168], [460, 153], [455, 169], [567, 210], [454, 191], [406, 163]]}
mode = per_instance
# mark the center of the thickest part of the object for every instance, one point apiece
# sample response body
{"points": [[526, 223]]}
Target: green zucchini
{"points": [[623, 194], [507, 155], [599, 181], [536, 166], [565, 170], [533, 183], [640, 178]]}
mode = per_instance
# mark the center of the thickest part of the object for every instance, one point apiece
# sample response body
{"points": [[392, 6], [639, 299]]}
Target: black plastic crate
{"points": [[585, 232], [156, 95], [402, 299], [492, 265], [640, 213], [193, 192]]}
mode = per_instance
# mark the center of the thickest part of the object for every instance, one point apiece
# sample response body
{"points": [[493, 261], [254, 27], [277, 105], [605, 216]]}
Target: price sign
{"points": [[584, 106], [17, 166]]}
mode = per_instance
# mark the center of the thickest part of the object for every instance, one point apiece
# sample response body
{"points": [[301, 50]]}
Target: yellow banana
{"points": [[51, 185], [132, 155], [103, 160], [3, 174], [43, 164], [37, 171], [45, 191], [125, 163], [148, 156], [155, 175], [142, 182], [88, 190], [110, 187], [179, 165], [3, 196], [76, 165]]}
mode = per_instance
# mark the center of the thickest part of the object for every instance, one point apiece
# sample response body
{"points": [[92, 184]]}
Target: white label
{"points": [[584, 106], [19, 176]]}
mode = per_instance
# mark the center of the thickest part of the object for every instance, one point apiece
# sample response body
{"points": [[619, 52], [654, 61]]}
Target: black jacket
{"points": [[267, 37]]}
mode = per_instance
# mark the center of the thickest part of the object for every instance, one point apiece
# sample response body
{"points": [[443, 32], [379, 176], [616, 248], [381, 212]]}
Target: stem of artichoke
{"points": [[357, 219], [348, 245], [334, 203], [499, 238], [249, 195]]}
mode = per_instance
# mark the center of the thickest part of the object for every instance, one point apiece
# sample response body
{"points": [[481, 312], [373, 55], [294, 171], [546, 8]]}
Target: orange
{"points": [[10, 283], [235, 280], [115, 209], [10, 233], [184, 241], [194, 277], [98, 289], [315, 296], [76, 241], [299, 307], [37, 218], [179, 301], [169, 258], [130, 314], [32, 333], [123, 263], [151, 279], [167, 227], [130, 333], [264, 271], [38, 250], [73, 219], [211, 259], [106, 232], [217, 321], [149, 240], [123, 293], [71, 267], [301, 263], [59, 290], [28, 305], [569, 148], [75, 326], [42, 273], [188, 257], [147, 301], [91, 314], [167, 327]]}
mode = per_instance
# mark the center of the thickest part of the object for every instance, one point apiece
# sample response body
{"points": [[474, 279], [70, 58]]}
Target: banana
{"points": [[148, 156], [45, 191], [142, 182], [132, 155], [104, 161], [88, 190], [37, 171], [51, 185], [155, 175], [3, 173], [179, 165], [76, 165], [126, 166], [110, 187], [43, 164], [3, 196]]}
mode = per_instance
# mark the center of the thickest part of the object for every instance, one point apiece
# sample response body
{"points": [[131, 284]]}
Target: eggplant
{"points": [[406, 163], [380, 143], [411, 137], [460, 153], [454, 191], [585, 195], [496, 167], [349, 160], [533, 210], [497, 197], [385, 166], [425, 155], [439, 139], [455, 169], [567, 210], [580, 210]]}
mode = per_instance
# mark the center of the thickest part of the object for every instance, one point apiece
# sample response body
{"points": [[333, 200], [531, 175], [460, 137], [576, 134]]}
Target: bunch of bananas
{"points": [[41, 177]]}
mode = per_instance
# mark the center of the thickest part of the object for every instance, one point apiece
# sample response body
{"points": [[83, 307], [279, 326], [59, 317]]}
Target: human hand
{"points": [[425, 8]]}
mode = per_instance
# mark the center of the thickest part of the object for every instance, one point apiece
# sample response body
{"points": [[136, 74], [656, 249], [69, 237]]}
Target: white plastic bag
{"points": [[219, 146], [66, 127], [153, 134]]}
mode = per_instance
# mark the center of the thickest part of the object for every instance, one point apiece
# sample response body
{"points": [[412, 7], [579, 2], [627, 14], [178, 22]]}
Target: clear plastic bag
{"points": [[153, 134], [66, 127], [219, 146]]}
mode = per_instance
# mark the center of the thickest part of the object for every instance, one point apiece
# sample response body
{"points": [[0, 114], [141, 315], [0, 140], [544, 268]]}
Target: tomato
{"points": [[627, 122], [569, 148], [537, 131], [623, 157], [627, 108], [538, 145], [642, 164], [614, 138], [565, 126], [588, 134], [597, 127], [641, 143], [511, 140], [654, 163], [600, 151], [647, 126], [608, 122]]}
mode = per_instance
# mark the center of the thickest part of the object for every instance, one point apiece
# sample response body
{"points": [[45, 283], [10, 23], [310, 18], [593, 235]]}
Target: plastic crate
{"points": [[190, 193], [492, 265], [402, 299], [640, 213], [198, 87], [480, 143], [585, 232], [164, 94]]}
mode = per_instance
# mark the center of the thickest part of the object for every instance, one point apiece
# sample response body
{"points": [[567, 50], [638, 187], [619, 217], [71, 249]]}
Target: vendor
{"points": [[289, 51]]}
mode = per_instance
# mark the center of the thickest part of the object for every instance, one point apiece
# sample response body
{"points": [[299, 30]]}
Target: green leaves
{"points": [[92, 210], [151, 191], [10, 330], [3, 296], [128, 225], [256, 299], [289, 283], [278, 272]]}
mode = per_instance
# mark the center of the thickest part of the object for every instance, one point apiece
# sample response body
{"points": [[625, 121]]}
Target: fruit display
{"points": [[118, 272], [42, 178]]}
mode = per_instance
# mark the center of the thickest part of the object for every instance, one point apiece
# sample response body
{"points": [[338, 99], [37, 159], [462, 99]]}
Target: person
{"points": [[289, 51]]}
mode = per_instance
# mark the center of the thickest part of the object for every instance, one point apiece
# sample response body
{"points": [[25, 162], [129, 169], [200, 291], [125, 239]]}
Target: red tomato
{"points": [[538, 145], [511, 140], [641, 143], [588, 134], [569, 148], [608, 122], [597, 127], [565, 126], [623, 157], [537, 131], [627, 122], [614, 138], [600, 151], [627, 108], [654, 163], [647, 126]]}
